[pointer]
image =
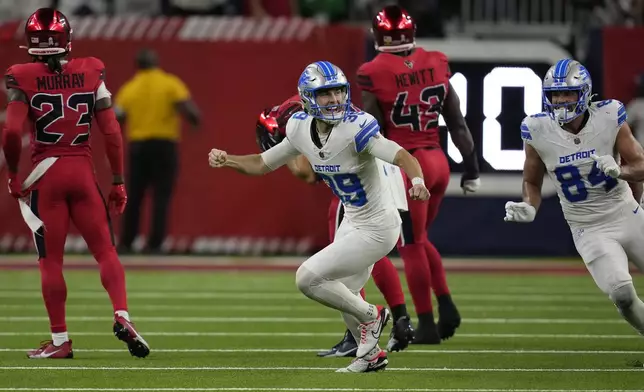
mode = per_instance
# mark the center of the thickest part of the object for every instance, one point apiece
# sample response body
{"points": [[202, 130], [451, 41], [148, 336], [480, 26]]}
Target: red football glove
{"points": [[117, 199], [15, 186]]}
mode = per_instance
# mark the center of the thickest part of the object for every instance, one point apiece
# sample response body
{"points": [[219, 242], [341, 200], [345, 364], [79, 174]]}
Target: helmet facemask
{"points": [[566, 111]]}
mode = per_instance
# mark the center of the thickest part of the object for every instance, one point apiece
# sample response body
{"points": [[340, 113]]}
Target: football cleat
{"points": [[47, 350], [125, 331], [448, 320], [378, 361], [401, 335], [346, 348], [370, 332]]}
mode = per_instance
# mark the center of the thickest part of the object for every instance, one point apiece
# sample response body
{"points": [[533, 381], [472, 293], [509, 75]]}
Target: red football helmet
{"points": [[48, 32], [393, 30]]}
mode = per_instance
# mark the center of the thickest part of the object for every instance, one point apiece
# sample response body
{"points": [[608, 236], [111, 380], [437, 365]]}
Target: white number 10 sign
{"points": [[493, 84]]}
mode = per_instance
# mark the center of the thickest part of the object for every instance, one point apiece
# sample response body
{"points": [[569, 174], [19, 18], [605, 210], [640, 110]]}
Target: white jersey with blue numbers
{"points": [[586, 194], [347, 164]]}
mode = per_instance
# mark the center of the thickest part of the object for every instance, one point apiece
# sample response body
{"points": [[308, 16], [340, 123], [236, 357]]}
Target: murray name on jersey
{"points": [[346, 165], [586, 194]]}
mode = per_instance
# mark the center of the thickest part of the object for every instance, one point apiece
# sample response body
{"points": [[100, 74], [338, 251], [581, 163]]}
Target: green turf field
{"points": [[245, 331]]}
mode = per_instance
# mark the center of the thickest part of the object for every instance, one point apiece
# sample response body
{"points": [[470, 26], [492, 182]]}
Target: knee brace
{"points": [[623, 296]]}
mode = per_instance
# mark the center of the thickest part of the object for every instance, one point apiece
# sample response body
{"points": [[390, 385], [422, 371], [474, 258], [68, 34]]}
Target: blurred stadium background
{"points": [[234, 331], [240, 56]]}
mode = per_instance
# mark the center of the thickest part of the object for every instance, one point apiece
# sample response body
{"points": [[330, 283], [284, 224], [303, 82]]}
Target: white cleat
{"points": [[377, 362], [370, 332]]}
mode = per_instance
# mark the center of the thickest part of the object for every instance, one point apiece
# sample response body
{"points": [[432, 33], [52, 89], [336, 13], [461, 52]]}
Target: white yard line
{"points": [[289, 369], [337, 334], [271, 296], [312, 350], [313, 307], [184, 320]]}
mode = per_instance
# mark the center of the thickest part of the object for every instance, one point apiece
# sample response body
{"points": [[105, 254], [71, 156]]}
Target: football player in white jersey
{"points": [[342, 146], [579, 145]]}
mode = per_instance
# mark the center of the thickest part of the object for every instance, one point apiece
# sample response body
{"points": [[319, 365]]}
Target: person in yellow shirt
{"points": [[149, 107]]}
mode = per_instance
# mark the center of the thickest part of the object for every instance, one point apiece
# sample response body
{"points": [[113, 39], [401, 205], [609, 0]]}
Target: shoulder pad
{"points": [[364, 78], [530, 124], [10, 80], [367, 127], [614, 109], [294, 122]]}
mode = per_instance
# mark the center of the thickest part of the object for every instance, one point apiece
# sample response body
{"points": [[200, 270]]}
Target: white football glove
{"points": [[519, 212], [607, 165], [471, 186]]}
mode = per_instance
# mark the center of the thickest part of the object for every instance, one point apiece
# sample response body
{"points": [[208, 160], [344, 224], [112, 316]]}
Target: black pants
{"points": [[153, 164]]}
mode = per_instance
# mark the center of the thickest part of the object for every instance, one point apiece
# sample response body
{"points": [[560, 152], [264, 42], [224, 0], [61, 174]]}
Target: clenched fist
{"points": [[519, 212], [607, 165], [418, 192], [217, 158]]}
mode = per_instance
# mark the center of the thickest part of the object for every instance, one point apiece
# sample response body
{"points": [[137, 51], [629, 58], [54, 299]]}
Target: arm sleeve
{"points": [[108, 125], [279, 155], [12, 136], [383, 148]]}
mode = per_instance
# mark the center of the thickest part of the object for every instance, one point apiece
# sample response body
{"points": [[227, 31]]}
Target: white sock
{"points": [[59, 338], [123, 313], [635, 315]]}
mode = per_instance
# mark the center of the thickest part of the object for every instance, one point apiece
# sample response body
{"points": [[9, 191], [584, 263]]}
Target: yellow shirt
{"points": [[148, 100]]}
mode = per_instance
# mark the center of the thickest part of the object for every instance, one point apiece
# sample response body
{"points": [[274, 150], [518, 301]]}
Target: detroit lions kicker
{"points": [[342, 147], [579, 144]]}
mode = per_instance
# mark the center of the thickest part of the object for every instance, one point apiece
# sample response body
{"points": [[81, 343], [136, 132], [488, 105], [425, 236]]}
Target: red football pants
{"points": [[68, 190], [384, 273], [423, 265]]}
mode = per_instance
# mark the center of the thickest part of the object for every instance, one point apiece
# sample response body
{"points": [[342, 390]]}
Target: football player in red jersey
{"points": [[406, 89], [270, 130], [58, 98]]}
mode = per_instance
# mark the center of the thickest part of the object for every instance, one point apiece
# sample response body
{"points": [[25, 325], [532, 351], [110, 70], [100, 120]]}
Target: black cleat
{"points": [[402, 333], [448, 317], [426, 331], [347, 347], [124, 330]]}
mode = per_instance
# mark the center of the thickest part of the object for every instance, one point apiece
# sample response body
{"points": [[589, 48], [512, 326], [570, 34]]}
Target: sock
{"points": [[426, 319], [59, 338], [444, 300], [362, 294], [54, 292], [112, 277], [439, 282], [353, 325], [399, 311], [418, 276], [123, 313], [635, 315], [386, 278]]}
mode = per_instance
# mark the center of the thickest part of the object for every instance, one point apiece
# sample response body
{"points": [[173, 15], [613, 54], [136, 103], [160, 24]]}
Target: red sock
{"points": [[112, 277], [439, 282], [387, 280], [362, 294], [418, 276], [54, 292]]}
